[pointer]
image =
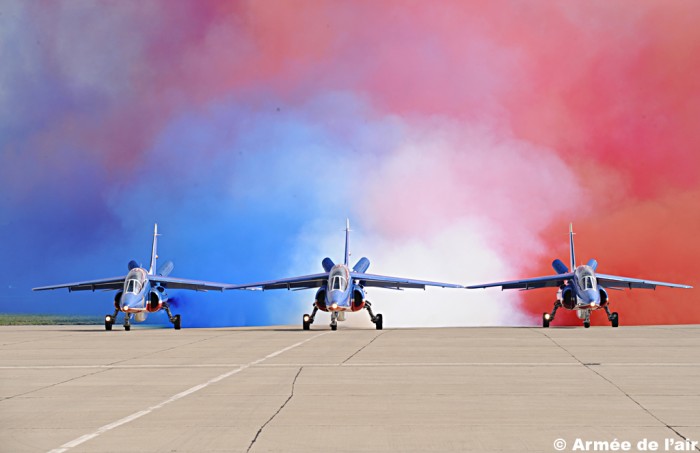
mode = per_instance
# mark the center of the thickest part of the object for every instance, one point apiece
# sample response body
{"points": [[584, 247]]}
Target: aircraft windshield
{"points": [[135, 281], [133, 286], [338, 280], [586, 278]]}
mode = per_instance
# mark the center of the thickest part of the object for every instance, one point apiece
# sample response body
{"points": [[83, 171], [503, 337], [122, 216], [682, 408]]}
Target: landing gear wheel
{"points": [[545, 320], [127, 328], [379, 321], [334, 326], [306, 325], [108, 322], [587, 324], [614, 319], [176, 322]]}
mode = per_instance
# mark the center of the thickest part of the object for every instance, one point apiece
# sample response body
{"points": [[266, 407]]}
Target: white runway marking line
{"points": [[196, 388]]}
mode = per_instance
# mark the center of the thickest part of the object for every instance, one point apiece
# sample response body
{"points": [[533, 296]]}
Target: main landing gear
{"points": [[174, 319], [307, 320], [549, 317], [378, 320], [111, 319], [613, 317]]}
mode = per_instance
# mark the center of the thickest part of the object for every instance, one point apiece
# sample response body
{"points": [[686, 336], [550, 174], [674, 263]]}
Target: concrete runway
{"points": [[282, 389]]}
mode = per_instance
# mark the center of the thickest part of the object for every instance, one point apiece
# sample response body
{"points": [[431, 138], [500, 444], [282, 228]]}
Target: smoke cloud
{"points": [[459, 140]]}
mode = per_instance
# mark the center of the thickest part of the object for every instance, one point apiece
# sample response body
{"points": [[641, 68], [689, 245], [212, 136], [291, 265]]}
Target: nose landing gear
{"points": [[587, 319], [334, 320]]}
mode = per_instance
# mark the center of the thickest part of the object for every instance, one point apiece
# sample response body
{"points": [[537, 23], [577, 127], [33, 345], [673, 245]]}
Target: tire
{"points": [[379, 322], [615, 321], [334, 326], [545, 321], [586, 325], [127, 328], [176, 322], [108, 325], [306, 325]]}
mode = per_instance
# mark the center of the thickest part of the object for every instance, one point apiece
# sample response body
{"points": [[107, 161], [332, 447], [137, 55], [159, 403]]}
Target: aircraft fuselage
{"points": [[138, 296], [340, 293], [582, 292]]}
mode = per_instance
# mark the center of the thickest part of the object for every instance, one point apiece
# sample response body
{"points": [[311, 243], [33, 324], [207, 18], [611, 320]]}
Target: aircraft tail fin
{"points": [[347, 242], [154, 250], [571, 246]]}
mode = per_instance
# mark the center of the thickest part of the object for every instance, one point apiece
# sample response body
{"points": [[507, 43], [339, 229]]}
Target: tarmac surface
{"points": [[79, 389]]}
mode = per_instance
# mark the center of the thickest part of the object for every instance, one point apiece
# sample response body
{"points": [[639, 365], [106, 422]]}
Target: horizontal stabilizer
{"points": [[327, 264], [361, 266], [166, 268], [560, 267]]}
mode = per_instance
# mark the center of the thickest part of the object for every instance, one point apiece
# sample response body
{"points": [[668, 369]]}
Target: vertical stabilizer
{"points": [[154, 250], [347, 242], [571, 247]]}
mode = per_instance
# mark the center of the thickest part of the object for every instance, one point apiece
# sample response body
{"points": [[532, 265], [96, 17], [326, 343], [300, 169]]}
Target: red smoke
{"points": [[626, 117]]}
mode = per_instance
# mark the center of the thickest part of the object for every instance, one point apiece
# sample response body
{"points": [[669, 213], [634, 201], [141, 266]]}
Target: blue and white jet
{"points": [[141, 290], [341, 289], [581, 289]]}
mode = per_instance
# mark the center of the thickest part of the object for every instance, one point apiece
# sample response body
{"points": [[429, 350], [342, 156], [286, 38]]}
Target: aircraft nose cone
{"points": [[337, 298], [131, 301], [593, 296]]}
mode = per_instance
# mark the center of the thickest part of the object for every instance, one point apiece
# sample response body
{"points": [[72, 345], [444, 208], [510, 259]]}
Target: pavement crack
{"points": [[591, 367], [363, 347], [52, 385], [291, 395]]}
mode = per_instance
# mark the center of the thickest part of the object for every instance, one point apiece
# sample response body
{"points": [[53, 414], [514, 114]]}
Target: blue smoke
{"points": [[232, 188]]}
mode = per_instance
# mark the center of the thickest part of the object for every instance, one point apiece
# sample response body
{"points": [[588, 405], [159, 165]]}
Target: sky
{"points": [[460, 141]]}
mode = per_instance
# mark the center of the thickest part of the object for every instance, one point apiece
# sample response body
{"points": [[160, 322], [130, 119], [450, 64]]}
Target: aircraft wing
{"points": [[613, 281], [88, 285], [529, 283], [183, 283], [381, 281], [302, 282]]}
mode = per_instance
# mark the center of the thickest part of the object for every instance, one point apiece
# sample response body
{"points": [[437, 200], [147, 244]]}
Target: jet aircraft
{"points": [[341, 289], [141, 290], [580, 288]]}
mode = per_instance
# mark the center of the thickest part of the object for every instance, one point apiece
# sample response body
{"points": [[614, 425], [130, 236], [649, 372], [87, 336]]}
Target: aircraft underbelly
{"points": [[140, 316]]}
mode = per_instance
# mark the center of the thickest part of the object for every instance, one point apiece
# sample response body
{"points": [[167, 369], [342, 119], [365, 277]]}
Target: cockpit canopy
{"points": [[135, 281], [586, 278], [338, 278]]}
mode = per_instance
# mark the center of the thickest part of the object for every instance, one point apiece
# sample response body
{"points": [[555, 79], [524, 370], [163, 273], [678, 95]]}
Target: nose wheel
{"points": [[334, 320], [587, 319]]}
